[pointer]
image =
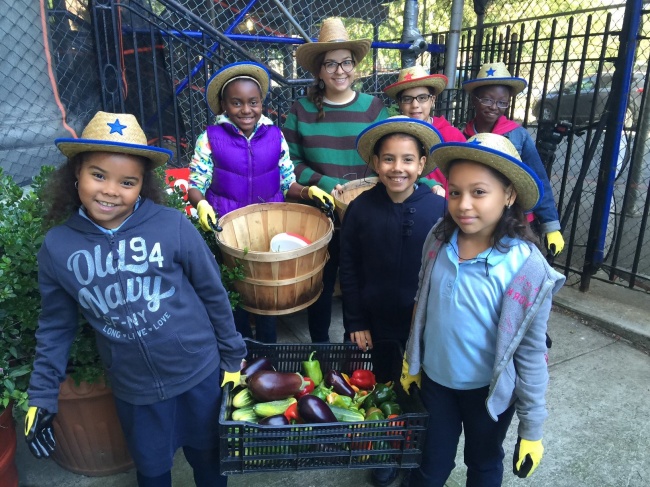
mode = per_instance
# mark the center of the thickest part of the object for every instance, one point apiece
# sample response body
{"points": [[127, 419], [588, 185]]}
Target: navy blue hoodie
{"points": [[152, 292]]}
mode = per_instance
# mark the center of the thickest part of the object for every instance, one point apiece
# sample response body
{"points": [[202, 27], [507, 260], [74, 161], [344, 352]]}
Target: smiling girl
{"points": [[125, 262], [478, 340]]}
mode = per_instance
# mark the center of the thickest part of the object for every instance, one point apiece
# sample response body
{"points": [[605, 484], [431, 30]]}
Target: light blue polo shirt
{"points": [[463, 312]]}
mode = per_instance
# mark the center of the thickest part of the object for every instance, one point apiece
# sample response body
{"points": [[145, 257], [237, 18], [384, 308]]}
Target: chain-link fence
{"points": [[153, 58]]}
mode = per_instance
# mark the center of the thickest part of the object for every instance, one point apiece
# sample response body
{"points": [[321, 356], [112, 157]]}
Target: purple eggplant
{"points": [[313, 409], [260, 363], [338, 383], [277, 420], [268, 385]]}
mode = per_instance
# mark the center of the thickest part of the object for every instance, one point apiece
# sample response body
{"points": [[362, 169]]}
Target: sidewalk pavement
{"points": [[597, 433]]}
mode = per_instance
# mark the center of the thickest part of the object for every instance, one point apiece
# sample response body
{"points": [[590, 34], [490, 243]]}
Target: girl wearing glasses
{"points": [[490, 94], [321, 130], [415, 93]]}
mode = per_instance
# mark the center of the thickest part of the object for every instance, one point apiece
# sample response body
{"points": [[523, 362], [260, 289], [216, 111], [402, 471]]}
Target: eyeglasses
{"points": [[488, 102], [333, 66], [407, 100]]}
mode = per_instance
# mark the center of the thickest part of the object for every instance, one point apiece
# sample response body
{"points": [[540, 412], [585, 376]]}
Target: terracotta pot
{"points": [[89, 438], [8, 471]]}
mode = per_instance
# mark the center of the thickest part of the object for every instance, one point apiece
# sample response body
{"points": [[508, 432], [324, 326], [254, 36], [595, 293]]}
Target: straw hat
{"points": [[114, 132], [423, 131], [495, 74], [497, 152], [414, 77], [220, 79], [333, 35]]}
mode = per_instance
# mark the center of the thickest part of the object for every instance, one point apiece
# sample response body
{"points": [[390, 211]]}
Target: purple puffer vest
{"points": [[245, 171]]}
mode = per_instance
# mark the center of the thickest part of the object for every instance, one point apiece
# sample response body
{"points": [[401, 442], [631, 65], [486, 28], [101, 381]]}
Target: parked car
{"points": [[560, 106]]}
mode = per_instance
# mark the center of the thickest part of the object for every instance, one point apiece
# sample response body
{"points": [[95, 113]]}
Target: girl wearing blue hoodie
{"points": [[146, 282]]}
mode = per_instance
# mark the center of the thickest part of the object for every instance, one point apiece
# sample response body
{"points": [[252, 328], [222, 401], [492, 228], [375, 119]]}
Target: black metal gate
{"points": [[576, 75]]}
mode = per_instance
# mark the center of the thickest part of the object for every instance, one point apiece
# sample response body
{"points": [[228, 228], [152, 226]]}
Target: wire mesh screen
{"points": [[49, 84]]}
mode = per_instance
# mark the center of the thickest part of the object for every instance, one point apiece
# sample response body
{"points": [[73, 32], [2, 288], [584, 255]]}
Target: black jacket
{"points": [[381, 250]]}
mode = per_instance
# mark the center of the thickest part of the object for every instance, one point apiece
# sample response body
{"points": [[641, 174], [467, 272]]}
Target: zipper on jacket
{"points": [[250, 172]]}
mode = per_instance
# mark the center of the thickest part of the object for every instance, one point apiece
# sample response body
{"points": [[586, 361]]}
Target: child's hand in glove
{"points": [[206, 215], [527, 456], [407, 379], [38, 432], [555, 242]]}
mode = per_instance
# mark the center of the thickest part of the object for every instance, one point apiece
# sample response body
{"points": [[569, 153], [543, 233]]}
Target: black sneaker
{"points": [[383, 477]]}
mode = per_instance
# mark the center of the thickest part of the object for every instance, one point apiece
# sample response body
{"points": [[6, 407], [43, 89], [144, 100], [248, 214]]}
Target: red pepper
{"points": [[309, 388], [363, 379], [292, 412]]}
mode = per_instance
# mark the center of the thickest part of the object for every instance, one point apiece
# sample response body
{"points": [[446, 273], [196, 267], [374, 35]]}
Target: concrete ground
{"points": [[597, 433]]}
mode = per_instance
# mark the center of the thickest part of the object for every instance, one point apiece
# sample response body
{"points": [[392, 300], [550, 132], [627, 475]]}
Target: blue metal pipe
{"points": [[612, 142], [242, 13], [434, 48]]}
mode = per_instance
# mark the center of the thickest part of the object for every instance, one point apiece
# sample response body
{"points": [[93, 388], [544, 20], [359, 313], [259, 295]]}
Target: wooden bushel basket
{"points": [[350, 191], [276, 283]]}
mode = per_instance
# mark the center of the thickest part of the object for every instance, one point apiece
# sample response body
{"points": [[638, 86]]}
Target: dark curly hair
{"points": [[62, 198], [513, 222]]}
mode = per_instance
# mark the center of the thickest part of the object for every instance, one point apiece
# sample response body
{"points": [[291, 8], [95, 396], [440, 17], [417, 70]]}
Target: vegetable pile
{"points": [[268, 397]]}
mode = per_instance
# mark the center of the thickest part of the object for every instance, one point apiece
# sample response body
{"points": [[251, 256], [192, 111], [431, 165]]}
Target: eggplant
{"points": [[336, 381], [313, 409], [268, 385], [260, 363], [277, 420]]}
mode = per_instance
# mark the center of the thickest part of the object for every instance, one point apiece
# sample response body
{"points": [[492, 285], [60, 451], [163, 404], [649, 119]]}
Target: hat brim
{"points": [[243, 68], [438, 82], [526, 183], [423, 131], [307, 54], [72, 147], [517, 84]]}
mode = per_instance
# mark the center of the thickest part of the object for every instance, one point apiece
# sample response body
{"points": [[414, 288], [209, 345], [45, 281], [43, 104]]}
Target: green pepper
{"points": [[311, 369], [384, 393], [374, 414], [322, 391], [342, 401], [390, 407]]}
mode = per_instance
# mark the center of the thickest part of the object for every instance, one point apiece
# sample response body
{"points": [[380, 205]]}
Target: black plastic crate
{"points": [[249, 447]]}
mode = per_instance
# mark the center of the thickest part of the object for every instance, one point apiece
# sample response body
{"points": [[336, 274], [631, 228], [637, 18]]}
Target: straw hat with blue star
{"points": [[114, 132], [498, 153], [492, 74]]}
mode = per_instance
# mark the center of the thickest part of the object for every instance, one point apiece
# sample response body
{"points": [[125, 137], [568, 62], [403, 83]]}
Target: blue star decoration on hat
{"points": [[491, 71], [116, 127], [474, 142]]}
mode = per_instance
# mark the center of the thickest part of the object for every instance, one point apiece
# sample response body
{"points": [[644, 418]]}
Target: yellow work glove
{"points": [[233, 377], [323, 200], [206, 214], [407, 379], [555, 242], [527, 456], [38, 432]]}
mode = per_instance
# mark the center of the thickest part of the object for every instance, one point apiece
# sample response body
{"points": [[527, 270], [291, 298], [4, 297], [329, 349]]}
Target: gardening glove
{"points": [[555, 242], [38, 432], [324, 201], [233, 377], [206, 214], [527, 456], [407, 379]]}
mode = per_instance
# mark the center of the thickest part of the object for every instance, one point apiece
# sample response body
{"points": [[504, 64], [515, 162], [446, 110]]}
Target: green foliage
{"points": [[21, 235]]}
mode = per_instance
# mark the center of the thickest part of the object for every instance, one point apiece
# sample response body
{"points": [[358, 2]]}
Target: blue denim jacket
{"points": [[545, 211]]}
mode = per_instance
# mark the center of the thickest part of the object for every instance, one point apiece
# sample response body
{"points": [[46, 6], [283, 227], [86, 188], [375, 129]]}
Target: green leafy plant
{"points": [[21, 235]]}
